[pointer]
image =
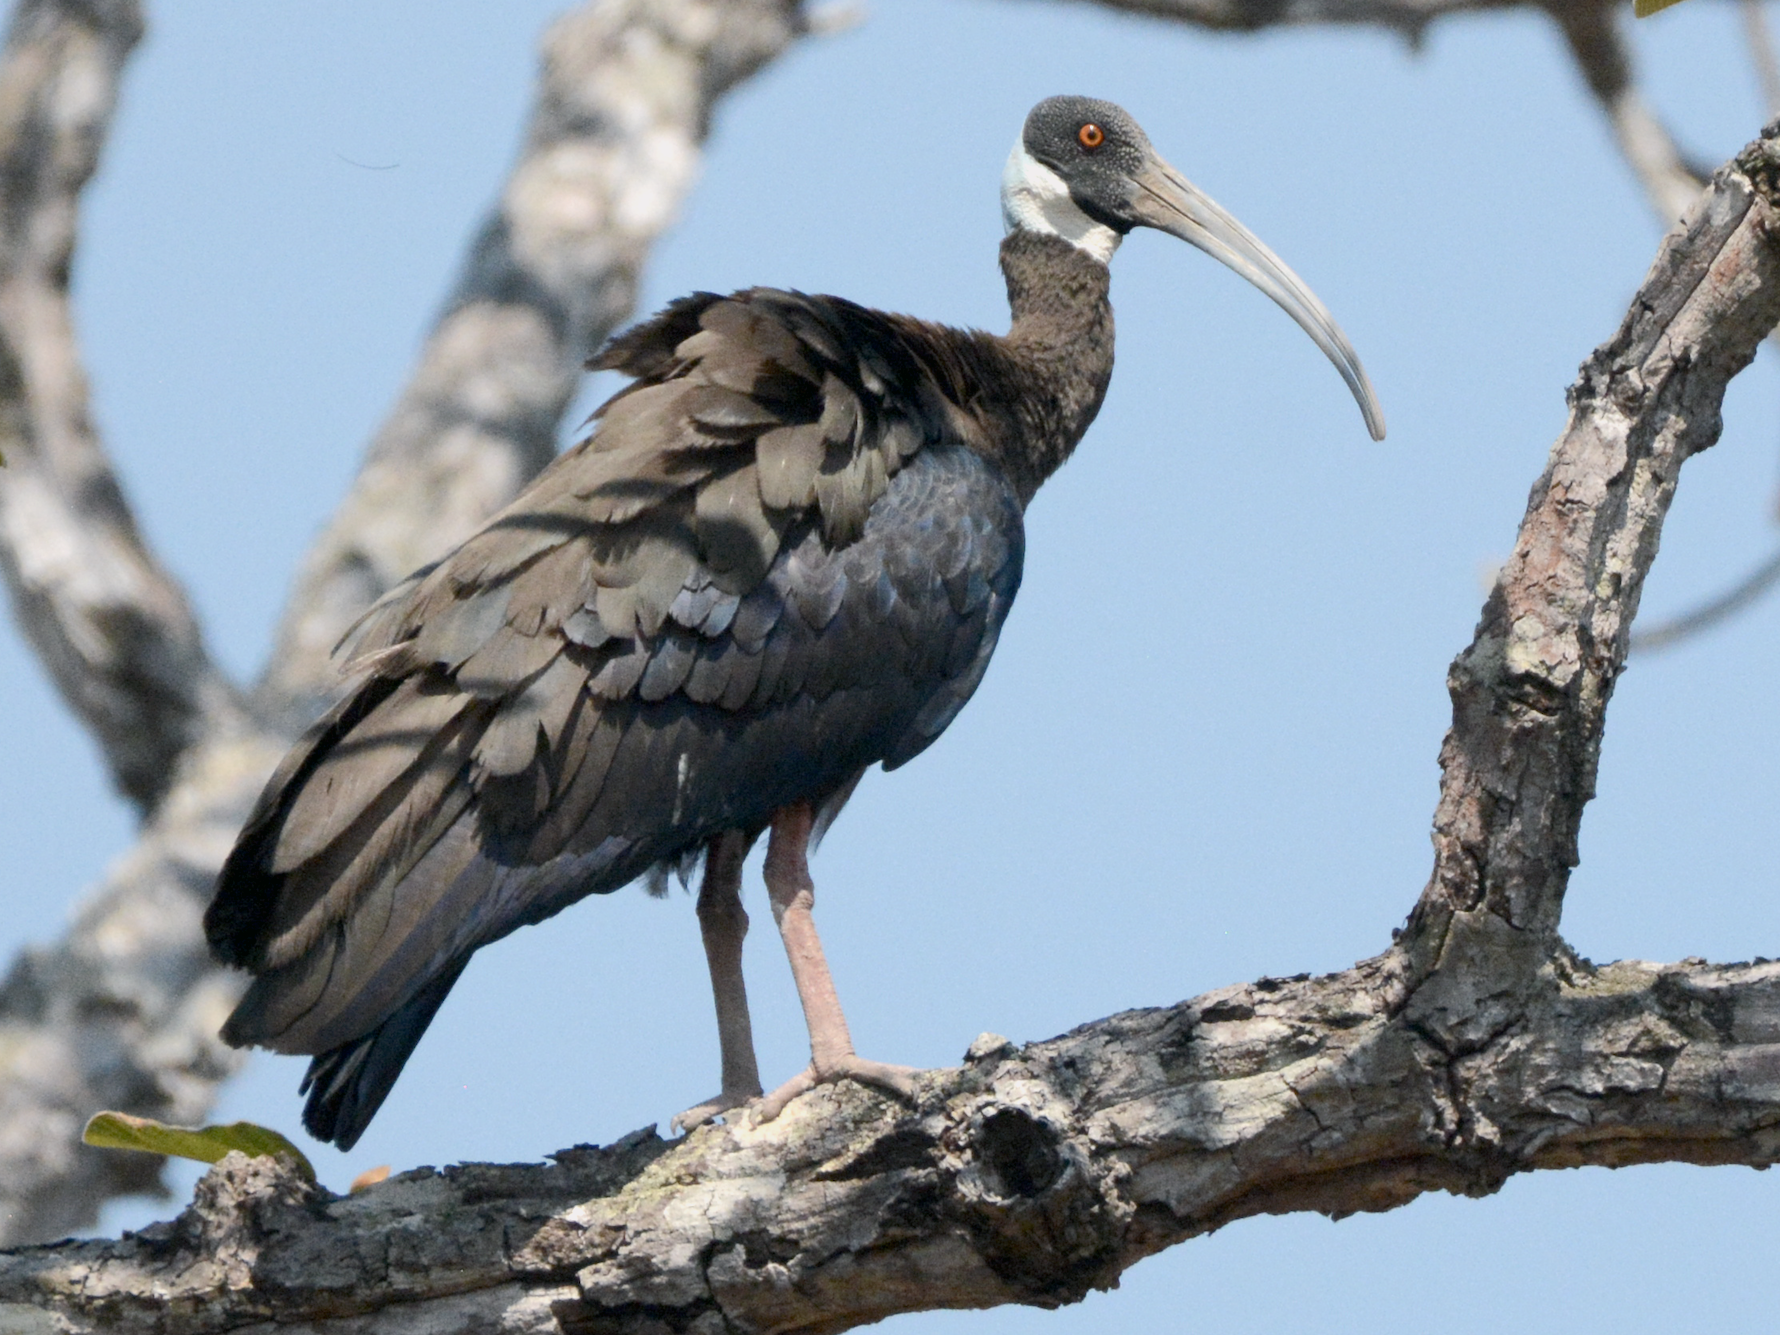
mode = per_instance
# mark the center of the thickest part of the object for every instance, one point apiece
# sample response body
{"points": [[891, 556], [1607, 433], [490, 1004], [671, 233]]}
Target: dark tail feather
{"points": [[347, 1085]]}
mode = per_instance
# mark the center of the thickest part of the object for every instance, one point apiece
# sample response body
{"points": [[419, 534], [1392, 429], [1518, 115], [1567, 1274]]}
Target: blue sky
{"points": [[1206, 748]]}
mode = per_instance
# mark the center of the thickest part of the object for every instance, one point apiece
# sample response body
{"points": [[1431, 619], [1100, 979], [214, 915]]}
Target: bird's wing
{"points": [[768, 568]]}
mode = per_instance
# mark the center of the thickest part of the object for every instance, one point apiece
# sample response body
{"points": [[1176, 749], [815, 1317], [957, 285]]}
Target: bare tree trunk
{"points": [[1476, 1047]]}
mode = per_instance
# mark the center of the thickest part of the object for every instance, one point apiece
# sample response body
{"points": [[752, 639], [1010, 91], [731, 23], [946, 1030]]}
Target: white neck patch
{"points": [[1035, 199]]}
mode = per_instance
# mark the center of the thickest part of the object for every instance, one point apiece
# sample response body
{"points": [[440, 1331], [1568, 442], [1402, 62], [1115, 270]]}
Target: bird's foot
{"points": [[700, 1113], [898, 1081]]}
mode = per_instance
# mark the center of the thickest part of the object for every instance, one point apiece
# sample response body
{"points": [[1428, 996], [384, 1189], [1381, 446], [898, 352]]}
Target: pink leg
{"points": [[793, 894], [723, 923]]}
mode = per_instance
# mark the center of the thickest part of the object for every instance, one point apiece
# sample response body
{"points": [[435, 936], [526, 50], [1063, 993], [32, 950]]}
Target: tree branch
{"points": [[123, 1012], [1530, 694], [1030, 1176], [1476, 1047], [113, 628], [1598, 45]]}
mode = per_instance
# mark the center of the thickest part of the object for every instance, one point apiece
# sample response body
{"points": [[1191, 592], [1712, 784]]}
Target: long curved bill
{"points": [[1167, 201]]}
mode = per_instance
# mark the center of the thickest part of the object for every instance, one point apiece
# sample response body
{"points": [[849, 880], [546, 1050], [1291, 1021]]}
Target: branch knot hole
{"points": [[1040, 1212], [1017, 1155]]}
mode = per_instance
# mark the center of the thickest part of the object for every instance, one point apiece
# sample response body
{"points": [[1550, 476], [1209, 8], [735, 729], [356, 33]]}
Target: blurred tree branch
{"points": [[1760, 38], [1712, 612], [624, 102], [1595, 34]]}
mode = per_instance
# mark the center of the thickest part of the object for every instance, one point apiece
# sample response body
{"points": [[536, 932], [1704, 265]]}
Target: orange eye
{"points": [[1091, 135]]}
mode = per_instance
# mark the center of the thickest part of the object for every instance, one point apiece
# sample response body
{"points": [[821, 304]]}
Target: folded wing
{"points": [[773, 564]]}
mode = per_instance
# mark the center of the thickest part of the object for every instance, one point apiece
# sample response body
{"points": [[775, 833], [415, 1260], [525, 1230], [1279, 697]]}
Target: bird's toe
{"points": [[700, 1113], [774, 1103], [897, 1081]]}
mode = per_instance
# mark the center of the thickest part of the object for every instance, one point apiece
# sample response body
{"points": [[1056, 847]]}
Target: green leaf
{"points": [[120, 1131], [1645, 8]]}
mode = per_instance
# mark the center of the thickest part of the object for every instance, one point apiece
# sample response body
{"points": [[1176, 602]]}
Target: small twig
{"points": [[1666, 634]]}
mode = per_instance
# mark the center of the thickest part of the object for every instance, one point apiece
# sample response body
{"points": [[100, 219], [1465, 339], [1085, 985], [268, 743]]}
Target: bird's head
{"points": [[1084, 171]]}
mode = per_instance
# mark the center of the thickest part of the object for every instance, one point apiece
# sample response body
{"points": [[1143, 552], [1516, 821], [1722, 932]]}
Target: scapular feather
{"points": [[786, 460], [503, 664]]}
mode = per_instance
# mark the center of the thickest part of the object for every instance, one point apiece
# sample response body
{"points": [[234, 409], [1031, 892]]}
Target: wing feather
{"points": [[362, 767]]}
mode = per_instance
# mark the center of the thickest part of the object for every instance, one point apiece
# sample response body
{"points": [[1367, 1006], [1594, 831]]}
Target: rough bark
{"points": [[123, 1011], [1476, 1047], [1530, 694]]}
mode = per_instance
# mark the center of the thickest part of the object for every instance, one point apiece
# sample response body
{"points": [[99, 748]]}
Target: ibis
{"points": [[783, 555]]}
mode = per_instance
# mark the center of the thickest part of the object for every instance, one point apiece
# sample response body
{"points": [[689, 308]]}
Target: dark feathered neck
{"points": [[1057, 292], [1056, 359], [1026, 398]]}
